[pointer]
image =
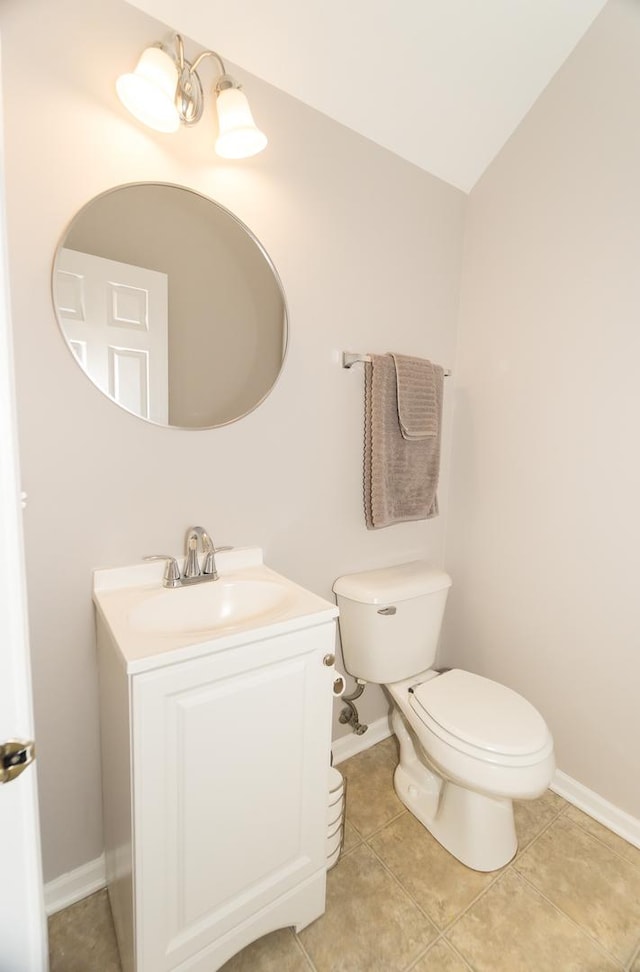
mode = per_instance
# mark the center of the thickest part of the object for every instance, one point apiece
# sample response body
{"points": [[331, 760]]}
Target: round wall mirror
{"points": [[170, 305]]}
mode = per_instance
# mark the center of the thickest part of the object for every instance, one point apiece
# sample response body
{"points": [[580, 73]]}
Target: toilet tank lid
{"points": [[397, 583]]}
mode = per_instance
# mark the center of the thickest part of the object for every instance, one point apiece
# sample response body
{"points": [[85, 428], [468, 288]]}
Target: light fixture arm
{"points": [[200, 57], [189, 98]]}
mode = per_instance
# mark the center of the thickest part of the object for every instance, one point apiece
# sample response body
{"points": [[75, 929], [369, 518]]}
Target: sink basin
{"points": [[148, 622], [221, 604]]}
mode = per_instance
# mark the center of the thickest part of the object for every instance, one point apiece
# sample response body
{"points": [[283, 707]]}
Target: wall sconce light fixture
{"points": [[165, 90]]}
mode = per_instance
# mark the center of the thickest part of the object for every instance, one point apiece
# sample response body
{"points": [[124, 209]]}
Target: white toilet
{"points": [[468, 745]]}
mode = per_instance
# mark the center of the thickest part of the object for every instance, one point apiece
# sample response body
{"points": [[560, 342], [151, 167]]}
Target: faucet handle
{"points": [[210, 551], [209, 565], [171, 572], [209, 559]]}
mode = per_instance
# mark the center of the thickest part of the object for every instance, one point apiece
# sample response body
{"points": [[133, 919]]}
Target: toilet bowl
{"points": [[460, 784], [469, 746]]}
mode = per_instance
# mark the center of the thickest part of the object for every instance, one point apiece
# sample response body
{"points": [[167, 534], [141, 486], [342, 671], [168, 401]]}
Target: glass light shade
{"points": [[238, 136], [149, 93]]}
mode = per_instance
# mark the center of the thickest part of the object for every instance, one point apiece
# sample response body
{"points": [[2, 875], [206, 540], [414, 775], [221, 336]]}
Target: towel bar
{"points": [[349, 358]]}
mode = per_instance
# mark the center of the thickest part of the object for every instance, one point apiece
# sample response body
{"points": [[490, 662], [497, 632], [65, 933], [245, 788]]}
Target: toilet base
{"points": [[476, 829]]}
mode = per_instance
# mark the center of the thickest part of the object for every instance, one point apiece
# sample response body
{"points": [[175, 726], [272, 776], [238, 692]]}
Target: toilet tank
{"points": [[390, 620]]}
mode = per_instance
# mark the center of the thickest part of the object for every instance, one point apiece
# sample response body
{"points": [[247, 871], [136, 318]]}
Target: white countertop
{"points": [[119, 592]]}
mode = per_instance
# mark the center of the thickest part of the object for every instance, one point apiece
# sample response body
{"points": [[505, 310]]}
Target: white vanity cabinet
{"points": [[215, 769]]}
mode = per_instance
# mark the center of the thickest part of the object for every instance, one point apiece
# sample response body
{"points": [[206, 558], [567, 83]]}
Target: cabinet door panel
{"points": [[230, 767]]}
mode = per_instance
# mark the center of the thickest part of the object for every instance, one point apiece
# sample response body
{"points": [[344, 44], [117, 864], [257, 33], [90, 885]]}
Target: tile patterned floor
{"points": [[398, 902]]}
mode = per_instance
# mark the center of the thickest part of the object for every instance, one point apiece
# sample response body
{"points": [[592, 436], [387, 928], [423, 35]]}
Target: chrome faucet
{"points": [[192, 572], [192, 569]]}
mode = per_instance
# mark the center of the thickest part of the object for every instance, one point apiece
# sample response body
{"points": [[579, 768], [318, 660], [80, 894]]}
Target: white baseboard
{"points": [[69, 888], [351, 744], [85, 880], [595, 806]]}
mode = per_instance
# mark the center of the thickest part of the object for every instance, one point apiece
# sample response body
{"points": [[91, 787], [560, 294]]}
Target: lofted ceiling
{"points": [[441, 83]]}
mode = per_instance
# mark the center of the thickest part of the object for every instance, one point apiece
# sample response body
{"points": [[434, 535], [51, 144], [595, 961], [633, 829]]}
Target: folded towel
{"points": [[400, 475], [417, 396]]}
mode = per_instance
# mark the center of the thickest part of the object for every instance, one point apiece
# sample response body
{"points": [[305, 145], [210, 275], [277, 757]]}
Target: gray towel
{"points": [[400, 475], [418, 410]]}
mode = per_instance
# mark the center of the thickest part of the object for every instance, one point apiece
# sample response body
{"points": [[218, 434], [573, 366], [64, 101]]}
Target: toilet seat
{"points": [[481, 718], [522, 775]]}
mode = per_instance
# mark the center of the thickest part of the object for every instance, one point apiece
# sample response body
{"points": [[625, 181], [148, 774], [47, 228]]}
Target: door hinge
{"points": [[15, 756]]}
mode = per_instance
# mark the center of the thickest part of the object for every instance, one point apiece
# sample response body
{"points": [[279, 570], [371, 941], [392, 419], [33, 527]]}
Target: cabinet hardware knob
{"points": [[329, 660]]}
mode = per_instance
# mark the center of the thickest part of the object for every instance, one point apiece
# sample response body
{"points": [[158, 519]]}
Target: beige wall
{"points": [[544, 523], [368, 248]]}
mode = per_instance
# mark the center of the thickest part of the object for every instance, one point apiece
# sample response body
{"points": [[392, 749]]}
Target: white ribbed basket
{"points": [[335, 817]]}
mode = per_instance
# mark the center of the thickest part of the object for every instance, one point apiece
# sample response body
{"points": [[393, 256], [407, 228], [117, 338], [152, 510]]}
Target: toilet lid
{"points": [[479, 711]]}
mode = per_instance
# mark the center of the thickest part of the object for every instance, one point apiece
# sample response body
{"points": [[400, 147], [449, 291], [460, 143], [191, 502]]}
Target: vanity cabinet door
{"points": [[231, 754]]}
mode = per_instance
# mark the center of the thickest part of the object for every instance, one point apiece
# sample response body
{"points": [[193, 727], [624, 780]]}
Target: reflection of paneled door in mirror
{"points": [[115, 319]]}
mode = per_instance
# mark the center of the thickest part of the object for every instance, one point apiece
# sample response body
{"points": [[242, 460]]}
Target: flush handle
{"points": [[388, 610]]}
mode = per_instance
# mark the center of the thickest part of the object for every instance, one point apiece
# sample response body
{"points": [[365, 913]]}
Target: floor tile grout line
{"points": [[458, 953], [310, 962], [441, 938], [519, 853], [443, 930], [586, 830], [404, 890], [413, 962], [572, 806], [602, 843], [512, 865], [619, 962], [635, 955], [348, 853], [365, 837], [498, 875]]}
